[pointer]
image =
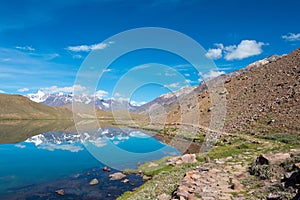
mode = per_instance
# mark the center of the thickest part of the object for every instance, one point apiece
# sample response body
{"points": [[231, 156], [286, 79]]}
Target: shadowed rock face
{"points": [[269, 159]]}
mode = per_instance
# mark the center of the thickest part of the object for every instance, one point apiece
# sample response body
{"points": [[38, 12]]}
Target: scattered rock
{"points": [[164, 197], [187, 158], [60, 192], [297, 165], [94, 182], [287, 175], [271, 121], [210, 181], [104, 168], [273, 197], [207, 159], [146, 178], [152, 164], [236, 186], [116, 176]]}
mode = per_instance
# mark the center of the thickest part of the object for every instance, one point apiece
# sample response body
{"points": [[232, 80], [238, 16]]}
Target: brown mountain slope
{"points": [[267, 97], [19, 107], [261, 99]]}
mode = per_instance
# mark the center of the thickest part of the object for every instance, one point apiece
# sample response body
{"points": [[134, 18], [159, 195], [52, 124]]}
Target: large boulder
{"points": [[94, 182], [187, 158], [270, 159], [60, 192], [116, 176]]}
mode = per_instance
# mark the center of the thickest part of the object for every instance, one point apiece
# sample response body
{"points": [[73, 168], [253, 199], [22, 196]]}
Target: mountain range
{"points": [[61, 99]]}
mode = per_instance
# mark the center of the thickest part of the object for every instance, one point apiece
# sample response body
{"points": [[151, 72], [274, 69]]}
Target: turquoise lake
{"points": [[53, 156]]}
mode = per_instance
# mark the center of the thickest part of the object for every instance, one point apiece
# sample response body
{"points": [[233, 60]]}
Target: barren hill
{"points": [[20, 107]]}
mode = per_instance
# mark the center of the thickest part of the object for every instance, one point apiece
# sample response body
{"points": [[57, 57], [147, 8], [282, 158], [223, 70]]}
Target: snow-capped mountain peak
{"points": [[37, 97], [61, 99]]}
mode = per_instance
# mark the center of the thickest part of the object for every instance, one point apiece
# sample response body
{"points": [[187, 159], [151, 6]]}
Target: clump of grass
{"points": [[261, 171], [232, 147], [149, 170], [163, 182]]}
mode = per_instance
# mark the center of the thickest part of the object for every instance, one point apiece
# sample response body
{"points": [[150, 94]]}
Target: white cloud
{"points": [[100, 93], [26, 48], [291, 36], [136, 103], [245, 49], [211, 74], [1, 91], [56, 89], [87, 48], [172, 85], [214, 53], [23, 90]]}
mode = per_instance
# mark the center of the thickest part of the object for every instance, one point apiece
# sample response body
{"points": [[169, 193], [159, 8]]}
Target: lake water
{"points": [[36, 167]]}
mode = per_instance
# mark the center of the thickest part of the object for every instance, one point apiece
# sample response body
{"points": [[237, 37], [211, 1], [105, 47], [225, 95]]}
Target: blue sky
{"points": [[42, 44]]}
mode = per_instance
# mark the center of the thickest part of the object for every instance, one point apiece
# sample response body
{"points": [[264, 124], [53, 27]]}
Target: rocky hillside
{"points": [[20, 107], [261, 98], [267, 97]]}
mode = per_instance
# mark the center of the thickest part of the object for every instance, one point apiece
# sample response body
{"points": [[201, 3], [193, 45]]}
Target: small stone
{"points": [[236, 186], [104, 168], [88, 174], [207, 160], [94, 182], [189, 158], [60, 192], [297, 165], [125, 181], [271, 121]]}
